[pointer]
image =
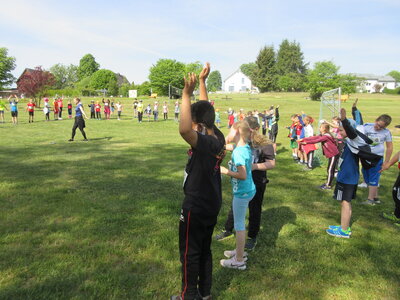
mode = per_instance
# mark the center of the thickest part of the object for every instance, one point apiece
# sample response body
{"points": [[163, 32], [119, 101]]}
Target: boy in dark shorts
{"points": [[356, 147], [202, 189]]}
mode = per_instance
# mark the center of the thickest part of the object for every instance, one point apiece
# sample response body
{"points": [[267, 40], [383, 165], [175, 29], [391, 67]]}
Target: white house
{"points": [[238, 82], [369, 81]]}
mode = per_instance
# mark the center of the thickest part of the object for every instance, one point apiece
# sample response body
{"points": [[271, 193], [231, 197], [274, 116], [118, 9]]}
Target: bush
{"points": [[396, 91]]}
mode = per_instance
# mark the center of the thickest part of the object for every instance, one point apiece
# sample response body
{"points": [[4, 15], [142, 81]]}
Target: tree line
{"points": [[281, 70]]}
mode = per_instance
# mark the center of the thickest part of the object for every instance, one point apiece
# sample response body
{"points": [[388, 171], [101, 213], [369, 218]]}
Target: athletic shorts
{"points": [[119, 113], [293, 144], [371, 176], [14, 114], [345, 192], [1, 112], [31, 113]]}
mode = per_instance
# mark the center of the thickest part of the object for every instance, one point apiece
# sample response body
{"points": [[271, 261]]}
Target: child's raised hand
{"points": [[342, 114], [204, 73], [190, 83]]}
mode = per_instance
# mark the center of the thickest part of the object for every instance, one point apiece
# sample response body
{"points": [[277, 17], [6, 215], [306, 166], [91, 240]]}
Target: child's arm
{"points": [[267, 165], [387, 165], [185, 124], [314, 139], [202, 81], [240, 174]]}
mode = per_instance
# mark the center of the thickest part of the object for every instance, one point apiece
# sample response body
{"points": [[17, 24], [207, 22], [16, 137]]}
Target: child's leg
{"points": [[255, 208], [239, 215], [331, 169], [205, 272], [345, 215], [310, 159]]}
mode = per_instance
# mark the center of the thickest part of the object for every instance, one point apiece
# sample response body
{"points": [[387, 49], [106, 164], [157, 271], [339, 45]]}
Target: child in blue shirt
{"points": [[243, 190]]}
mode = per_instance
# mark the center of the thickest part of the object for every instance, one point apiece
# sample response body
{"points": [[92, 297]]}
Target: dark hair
{"points": [[203, 112], [385, 119]]}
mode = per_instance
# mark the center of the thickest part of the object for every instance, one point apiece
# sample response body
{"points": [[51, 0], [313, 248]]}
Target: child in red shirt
{"points": [[56, 110], [30, 107], [97, 107]]}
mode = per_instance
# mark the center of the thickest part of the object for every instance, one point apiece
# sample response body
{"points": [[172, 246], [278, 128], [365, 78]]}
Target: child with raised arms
{"points": [[2, 108], [202, 189], [14, 108]]}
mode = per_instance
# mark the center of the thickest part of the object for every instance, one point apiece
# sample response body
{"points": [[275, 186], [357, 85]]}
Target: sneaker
{"points": [[369, 202], [85, 140], [322, 186], [338, 232], [232, 253], [363, 185], [338, 227], [70, 140], [232, 263], [377, 201], [325, 187], [224, 235], [250, 244], [391, 217]]}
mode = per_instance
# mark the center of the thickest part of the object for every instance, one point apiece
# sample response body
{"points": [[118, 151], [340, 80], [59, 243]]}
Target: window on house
{"points": [[242, 80]]}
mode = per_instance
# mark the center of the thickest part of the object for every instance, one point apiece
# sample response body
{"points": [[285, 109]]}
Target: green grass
{"points": [[99, 220]]}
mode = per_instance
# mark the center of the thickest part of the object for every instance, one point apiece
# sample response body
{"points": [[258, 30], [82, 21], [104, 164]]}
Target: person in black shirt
{"points": [[263, 160], [202, 189]]}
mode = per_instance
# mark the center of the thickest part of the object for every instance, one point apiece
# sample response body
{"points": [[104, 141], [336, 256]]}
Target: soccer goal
{"points": [[174, 92], [329, 108]]}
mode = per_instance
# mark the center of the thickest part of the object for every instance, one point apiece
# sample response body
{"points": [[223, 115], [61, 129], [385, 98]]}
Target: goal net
{"points": [[329, 108], [174, 92]]}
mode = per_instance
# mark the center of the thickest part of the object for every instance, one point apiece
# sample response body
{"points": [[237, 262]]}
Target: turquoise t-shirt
{"points": [[242, 156]]}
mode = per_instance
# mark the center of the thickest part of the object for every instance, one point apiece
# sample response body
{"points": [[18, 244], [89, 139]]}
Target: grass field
{"points": [[99, 220]]}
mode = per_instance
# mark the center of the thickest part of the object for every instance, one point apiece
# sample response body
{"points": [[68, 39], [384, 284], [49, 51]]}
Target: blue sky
{"points": [[129, 36]]}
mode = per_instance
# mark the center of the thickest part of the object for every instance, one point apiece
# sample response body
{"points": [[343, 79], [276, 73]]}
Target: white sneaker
{"points": [[232, 263], [232, 253], [363, 185]]}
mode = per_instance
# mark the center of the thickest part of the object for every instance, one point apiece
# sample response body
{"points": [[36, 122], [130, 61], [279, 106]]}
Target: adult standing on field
{"points": [[79, 121], [380, 136], [140, 111]]}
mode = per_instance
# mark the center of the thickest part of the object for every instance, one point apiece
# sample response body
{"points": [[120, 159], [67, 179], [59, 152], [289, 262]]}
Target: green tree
{"points": [[290, 63], [348, 83], [194, 67], [248, 69], [65, 76], [103, 79], [87, 66], [124, 89], [322, 78], [165, 72], [112, 87], [214, 81], [7, 64], [143, 89], [395, 75], [265, 74]]}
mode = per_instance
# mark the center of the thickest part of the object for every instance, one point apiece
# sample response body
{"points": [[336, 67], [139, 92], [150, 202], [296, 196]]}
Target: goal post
{"points": [[329, 108]]}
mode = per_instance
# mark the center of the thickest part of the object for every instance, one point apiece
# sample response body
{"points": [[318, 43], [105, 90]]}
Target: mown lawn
{"points": [[99, 220]]}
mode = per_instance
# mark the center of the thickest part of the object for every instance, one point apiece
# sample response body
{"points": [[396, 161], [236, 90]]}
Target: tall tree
{"points": [[395, 75], [165, 72], [265, 73], [214, 81], [248, 69], [103, 79], [65, 76], [34, 83], [194, 67], [290, 64], [7, 64], [87, 66]]}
